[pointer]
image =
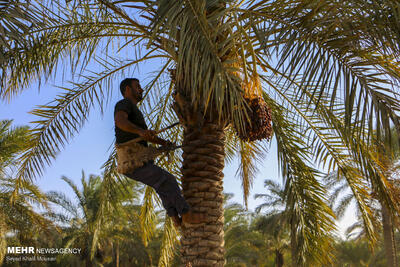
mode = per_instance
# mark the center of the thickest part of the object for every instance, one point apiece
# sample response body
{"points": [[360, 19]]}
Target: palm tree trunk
{"points": [[388, 237], [203, 163]]}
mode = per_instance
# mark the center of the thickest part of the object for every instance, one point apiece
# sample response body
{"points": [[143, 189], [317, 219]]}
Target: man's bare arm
{"points": [[122, 122]]}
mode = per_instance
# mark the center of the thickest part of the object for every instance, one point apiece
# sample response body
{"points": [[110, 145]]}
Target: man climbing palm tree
{"points": [[130, 124]]}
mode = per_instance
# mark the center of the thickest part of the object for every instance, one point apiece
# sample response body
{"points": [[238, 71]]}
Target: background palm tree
{"points": [[275, 224], [97, 222], [274, 199], [389, 155], [276, 235], [20, 222], [244, 246], [12, 142], [356, 253], [326, 69]]}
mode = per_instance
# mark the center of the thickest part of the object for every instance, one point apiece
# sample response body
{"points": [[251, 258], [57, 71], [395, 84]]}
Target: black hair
{"points": [[126, 82]]}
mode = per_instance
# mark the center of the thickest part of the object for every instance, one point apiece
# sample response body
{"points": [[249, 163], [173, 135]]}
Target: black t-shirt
{"points": [[134, 115]]}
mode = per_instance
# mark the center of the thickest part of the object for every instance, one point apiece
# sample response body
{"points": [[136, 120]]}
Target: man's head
{"points": [[130, 88]]}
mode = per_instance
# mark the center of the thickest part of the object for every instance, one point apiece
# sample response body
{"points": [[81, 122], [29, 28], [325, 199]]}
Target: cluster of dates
{"points": [[259, 125]]}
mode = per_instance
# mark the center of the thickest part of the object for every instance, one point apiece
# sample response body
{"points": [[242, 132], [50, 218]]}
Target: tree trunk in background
{"points": [[278, 258], [117, 255], [388, 237], [203, 163], [293, 244]]}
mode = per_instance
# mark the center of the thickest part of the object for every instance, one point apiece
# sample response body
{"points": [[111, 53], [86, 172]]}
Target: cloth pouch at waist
{"points": [[131, 156]]}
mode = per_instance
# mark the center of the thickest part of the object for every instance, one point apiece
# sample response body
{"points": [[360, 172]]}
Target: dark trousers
{"points": [[166, 186]]}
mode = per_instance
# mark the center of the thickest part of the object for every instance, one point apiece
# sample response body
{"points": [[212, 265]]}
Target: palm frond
{"points": [[17, 18], [63, 201], [330, 60], [342, 206], [72, 34], [332, 145], [194, 34], [274, 200], [355, 230], [3, 242], [148, 215], [13, 140], [335, 194], [310, 216], [169, 240], [250, 156], [231, 141]]}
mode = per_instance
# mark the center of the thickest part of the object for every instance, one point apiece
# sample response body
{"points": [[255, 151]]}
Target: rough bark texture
{"points": [[203, 163], [388, 238]]}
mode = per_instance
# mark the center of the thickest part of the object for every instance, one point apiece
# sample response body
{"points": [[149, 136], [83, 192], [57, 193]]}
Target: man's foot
{"points": [[177, 221], [193, 218]]}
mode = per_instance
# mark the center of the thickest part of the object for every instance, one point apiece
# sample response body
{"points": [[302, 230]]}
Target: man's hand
{"points": [[168, 144], [149, 135], [163, 142]]}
